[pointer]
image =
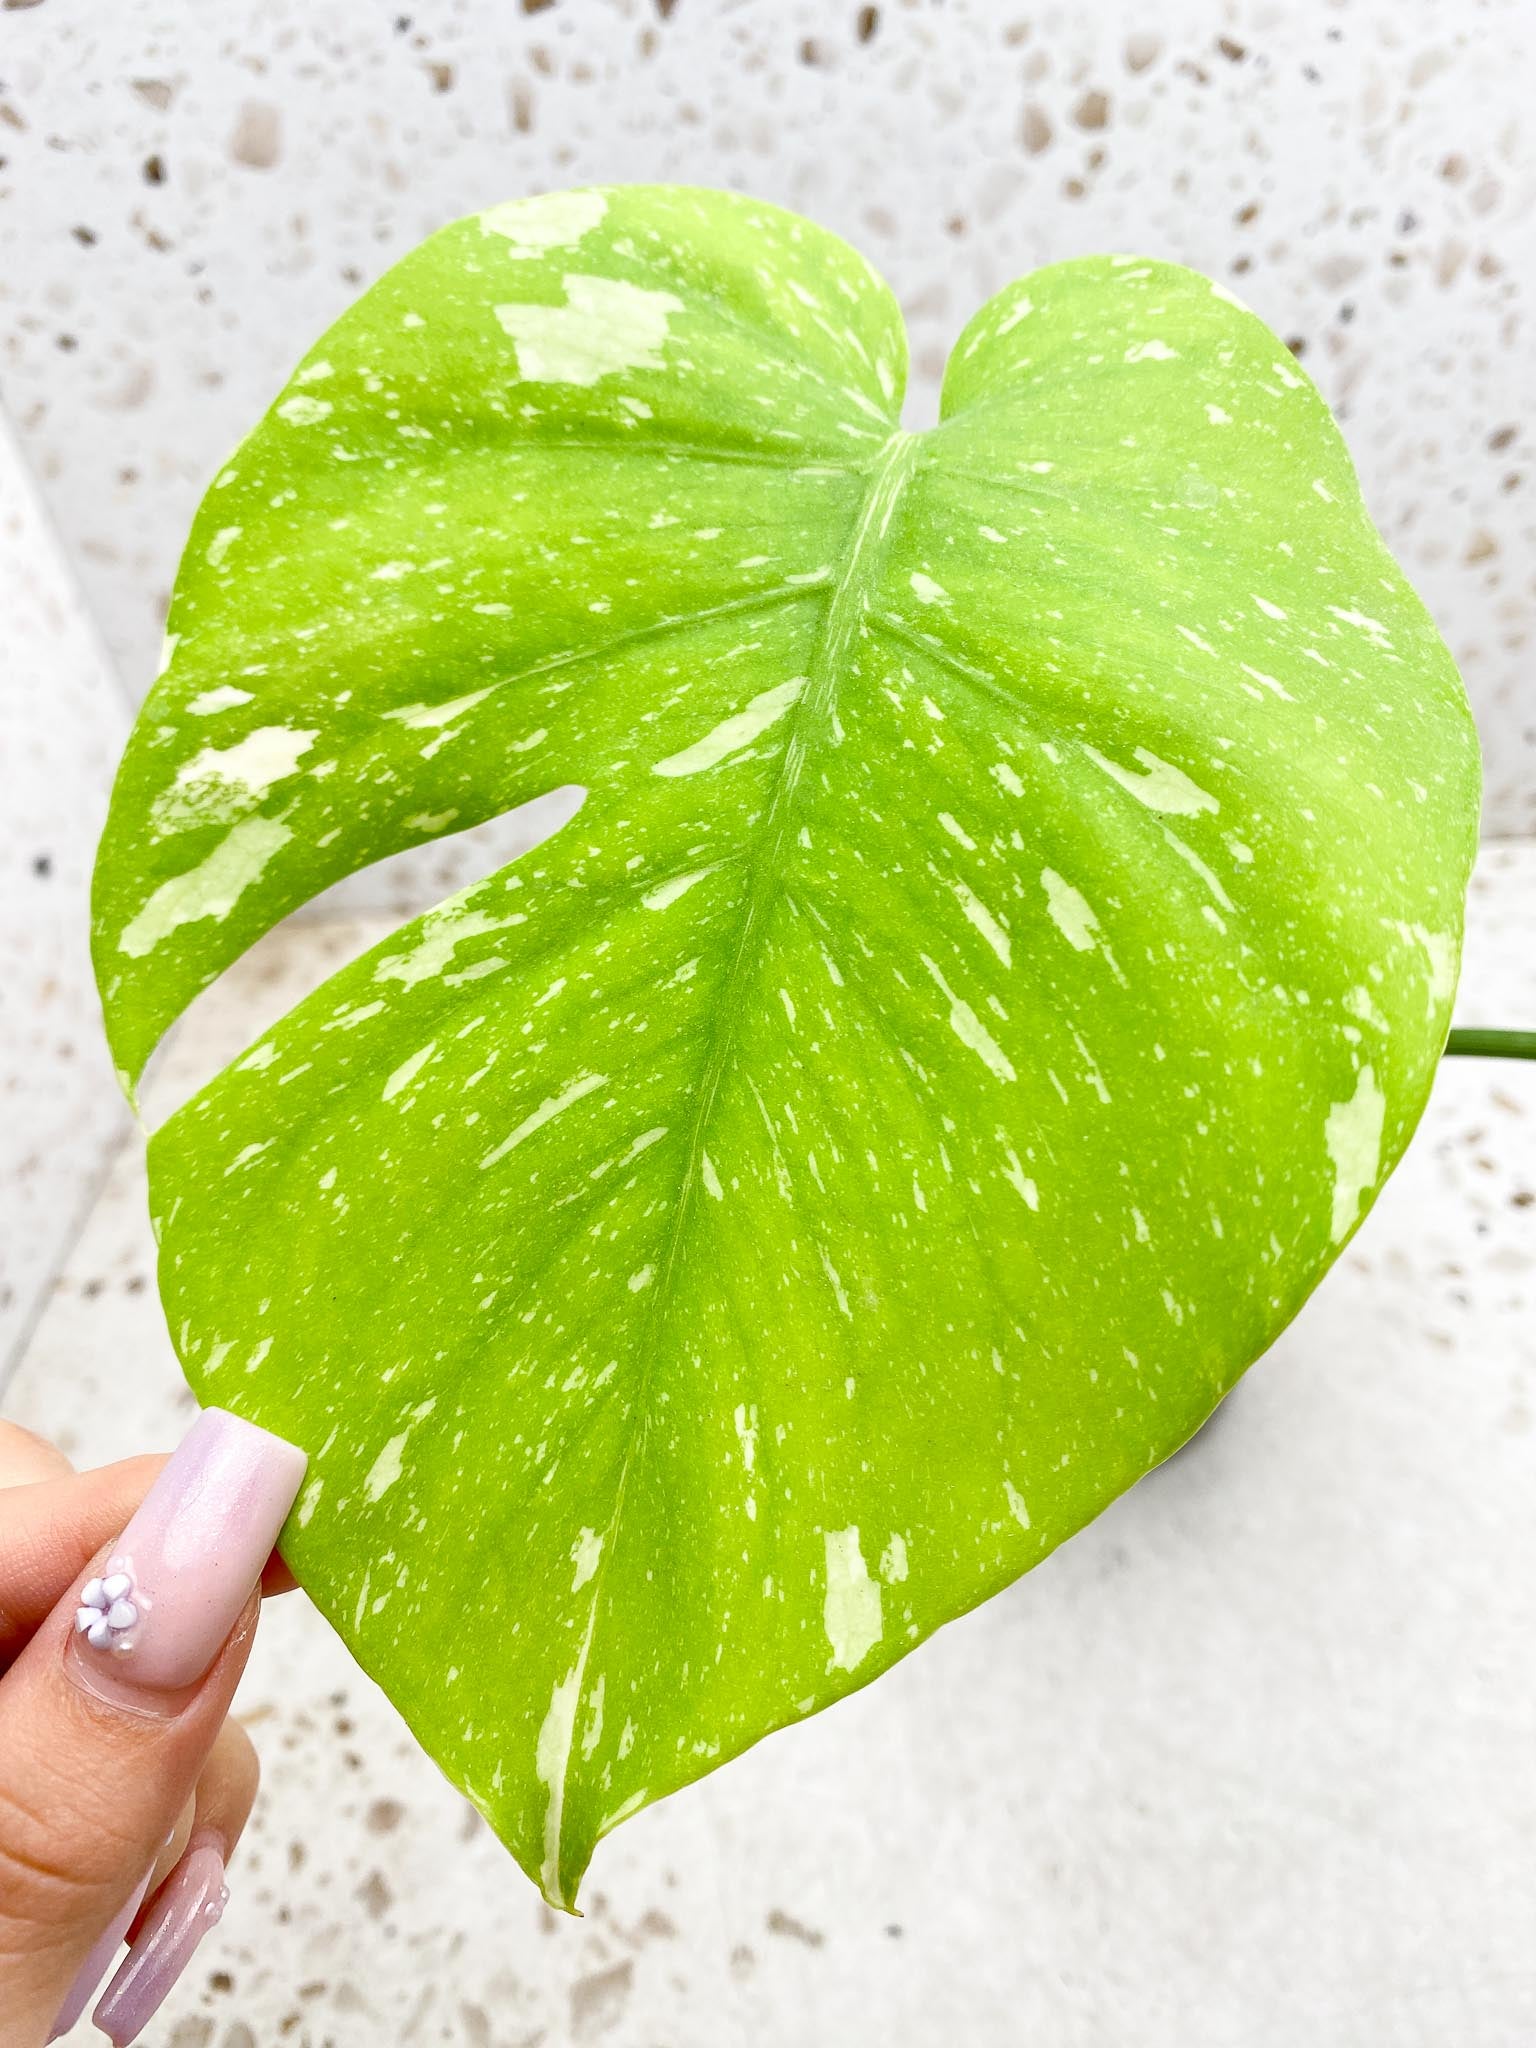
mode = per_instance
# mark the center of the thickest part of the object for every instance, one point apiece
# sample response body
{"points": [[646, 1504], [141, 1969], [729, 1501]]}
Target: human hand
{"points": [[128, 1602]]}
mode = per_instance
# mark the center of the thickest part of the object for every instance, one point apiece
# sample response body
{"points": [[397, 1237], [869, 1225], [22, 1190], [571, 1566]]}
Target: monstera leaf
{"points": [[1006, 941]]}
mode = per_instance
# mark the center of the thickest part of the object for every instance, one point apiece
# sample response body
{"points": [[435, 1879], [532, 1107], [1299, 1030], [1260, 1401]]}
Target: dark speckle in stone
{"points": [[597, 2000], [780, 1922]]}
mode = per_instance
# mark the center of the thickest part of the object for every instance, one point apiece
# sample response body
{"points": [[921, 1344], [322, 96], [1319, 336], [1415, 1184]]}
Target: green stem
{"points": [[1506, 1045]]}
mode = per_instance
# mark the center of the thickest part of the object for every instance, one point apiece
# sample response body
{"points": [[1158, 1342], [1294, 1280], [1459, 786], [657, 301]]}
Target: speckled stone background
{"points": [[1250, 1763], [191, 191]]}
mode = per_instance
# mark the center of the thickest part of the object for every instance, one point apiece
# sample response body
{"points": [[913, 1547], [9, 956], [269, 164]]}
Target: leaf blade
{"points": [[949, 958]]}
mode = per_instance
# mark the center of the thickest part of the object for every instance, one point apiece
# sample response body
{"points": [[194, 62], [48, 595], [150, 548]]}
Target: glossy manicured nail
{"points": [[150, 1623], [191, 1901], [94, 1968]]}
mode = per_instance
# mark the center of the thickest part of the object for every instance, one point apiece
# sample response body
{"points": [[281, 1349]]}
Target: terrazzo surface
{"points": [[1248, 1761], [190, 193], [63, 720]]}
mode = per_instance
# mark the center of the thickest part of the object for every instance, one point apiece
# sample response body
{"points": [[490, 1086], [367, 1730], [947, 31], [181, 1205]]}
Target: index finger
{"points": [[49, 1531], [51, 1528]]}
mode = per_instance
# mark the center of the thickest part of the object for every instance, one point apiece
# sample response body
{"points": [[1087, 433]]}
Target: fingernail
{"points": [[151, 1622], [94, 1968], [191, 1901]]}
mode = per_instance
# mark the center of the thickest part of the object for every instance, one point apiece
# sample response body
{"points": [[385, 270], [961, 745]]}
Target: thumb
{"points": [[108, 1714]]}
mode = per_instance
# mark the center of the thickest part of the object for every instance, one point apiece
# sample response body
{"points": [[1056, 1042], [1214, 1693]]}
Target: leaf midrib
{"points": [[847, 605]]}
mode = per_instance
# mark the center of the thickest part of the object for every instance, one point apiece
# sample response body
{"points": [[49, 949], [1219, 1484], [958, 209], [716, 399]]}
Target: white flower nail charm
{"points": [[107, 1611]]}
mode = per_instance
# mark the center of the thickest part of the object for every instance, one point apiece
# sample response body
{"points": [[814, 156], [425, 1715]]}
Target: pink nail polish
{"points": [[154, 1618], [190, 1902], [94, 1968]]}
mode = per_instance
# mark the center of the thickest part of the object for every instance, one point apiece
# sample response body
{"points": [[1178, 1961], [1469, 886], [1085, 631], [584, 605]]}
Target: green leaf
{"points": [[1006, 942]]}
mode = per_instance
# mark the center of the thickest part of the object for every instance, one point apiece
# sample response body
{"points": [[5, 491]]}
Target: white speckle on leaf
{"points": [[838, 1292], [668, 892], [1070, 911], [305, 412], [585, 1553], [851, 1608], [977, 913], [1268, 681], [1440, 956], [1270, 611], [442, 931], [1358, 1002], [1372, 628], [926, 590], [746, 1431], [893, 1560], [550, 220], [550, 1758], [1153, 351], [224, 698], [428, 715], [407, 1071], [593, 1734], [1352, 1134], [1016, 1507], [551, 1106], [386, 1467], [1159, 786], [211, 889], [735, 732], [1207, 875], [1014, 1174], [216, 785], [221, 544], [604, 326], [970, 1030]]}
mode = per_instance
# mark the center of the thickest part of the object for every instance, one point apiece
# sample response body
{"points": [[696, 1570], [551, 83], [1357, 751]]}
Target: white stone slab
{"points": [[195, 191], [62, 720], [1248, 1762]]}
